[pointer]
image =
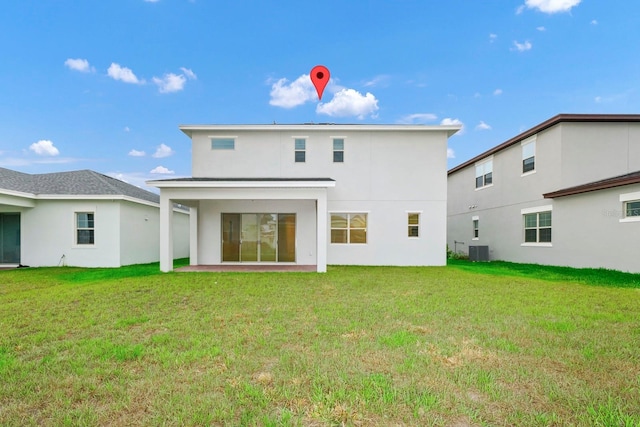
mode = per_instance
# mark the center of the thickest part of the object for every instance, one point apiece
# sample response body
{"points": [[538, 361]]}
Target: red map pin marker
{"points": [[320, 77]]}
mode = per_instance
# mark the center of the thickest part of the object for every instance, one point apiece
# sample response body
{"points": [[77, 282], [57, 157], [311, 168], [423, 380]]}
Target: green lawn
{"points": [[465, 345]]}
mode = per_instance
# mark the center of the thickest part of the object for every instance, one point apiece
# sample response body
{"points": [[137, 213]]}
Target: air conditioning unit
{"points": [[479, 253]]}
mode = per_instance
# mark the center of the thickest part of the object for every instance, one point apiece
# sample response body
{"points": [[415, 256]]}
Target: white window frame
{"points": [[348, 228], [537, 210], [528, 143], [223, 138], [482, 165], [333, 149], [414, 226], [475, 227], [626, 198], [77, 228], [297, 150]]}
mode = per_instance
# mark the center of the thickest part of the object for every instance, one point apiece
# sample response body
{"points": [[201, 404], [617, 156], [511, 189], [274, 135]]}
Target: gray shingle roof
{"points": [[82, 182]]}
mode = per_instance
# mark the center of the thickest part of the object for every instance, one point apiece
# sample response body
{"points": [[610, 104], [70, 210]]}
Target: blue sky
{"points": [[104, 85]]}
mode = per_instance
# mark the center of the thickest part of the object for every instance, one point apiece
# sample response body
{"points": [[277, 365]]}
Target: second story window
{"points": [[528, 156], [484, 173], [338, 150], [223, 143], [300, 150]]}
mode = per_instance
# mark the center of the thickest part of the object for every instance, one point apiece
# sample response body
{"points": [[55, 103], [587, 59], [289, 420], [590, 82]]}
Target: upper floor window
{"points": [[528, 156], [223, 143], [338, 150], [85, 231], [484, 173], [300, 150], [413, 219], [350, 228]]}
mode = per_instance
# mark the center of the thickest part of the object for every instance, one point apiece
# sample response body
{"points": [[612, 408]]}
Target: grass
{"points": [[468, 344]]}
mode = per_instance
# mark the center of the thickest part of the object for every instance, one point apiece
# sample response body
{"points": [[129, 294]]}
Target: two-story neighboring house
{"points": [[312, 195], [566, 192]]}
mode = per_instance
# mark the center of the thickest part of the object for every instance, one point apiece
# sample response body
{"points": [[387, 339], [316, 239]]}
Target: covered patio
{"points": [[212, 200]]}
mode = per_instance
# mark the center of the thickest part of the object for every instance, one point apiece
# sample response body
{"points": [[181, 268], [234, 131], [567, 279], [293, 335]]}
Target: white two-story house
{"points": [[566, 192], [312, 195]]}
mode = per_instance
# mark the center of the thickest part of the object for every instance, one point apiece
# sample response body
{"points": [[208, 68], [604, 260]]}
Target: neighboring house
{"points": [[312, 194], [566, 192], [80, 218]]}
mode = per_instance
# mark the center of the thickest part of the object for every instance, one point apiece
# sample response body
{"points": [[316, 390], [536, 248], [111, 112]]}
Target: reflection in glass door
{"points": [[258, 237]]}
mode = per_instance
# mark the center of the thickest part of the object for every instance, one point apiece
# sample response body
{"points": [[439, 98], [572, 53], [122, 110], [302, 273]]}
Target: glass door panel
{"points": [[230, 237], [249, 238], [10, 238], [268, 236], [286, 237]]}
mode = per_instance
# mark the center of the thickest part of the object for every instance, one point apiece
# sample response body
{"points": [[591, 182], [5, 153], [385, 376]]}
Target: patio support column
{"points": [[193, 235], [166, 233], [321, 237]]}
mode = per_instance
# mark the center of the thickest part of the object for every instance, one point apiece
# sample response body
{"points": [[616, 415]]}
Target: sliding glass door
{"points": [[251, 237]]}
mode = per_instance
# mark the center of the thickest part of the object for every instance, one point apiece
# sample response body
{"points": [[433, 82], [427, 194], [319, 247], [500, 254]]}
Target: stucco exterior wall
{"points": [[140, 234], [48, 234]]}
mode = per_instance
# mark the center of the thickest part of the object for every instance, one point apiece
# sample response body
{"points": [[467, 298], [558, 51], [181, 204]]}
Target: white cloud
{"points": [[551, 6], [349, 102], [170, 83], [449, 121], [497, 92], [417, 118], [163, 151], [522, 47], [151, 1], [380, 80], [483, 126], [598, 99], [127, 129], [450, 153], [161, 170], [594, 22], [137, 153], [78, 64], [541, 28], [289, 95], [189, 74], [44, 147], [492, 37], [123, 74]]}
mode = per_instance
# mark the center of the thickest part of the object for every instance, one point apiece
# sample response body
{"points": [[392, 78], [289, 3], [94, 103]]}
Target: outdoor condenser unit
{"points": [[479, 253]]}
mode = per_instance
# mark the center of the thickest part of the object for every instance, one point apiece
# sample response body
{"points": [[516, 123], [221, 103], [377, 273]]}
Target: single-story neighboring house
{"points": [[81, 218]]}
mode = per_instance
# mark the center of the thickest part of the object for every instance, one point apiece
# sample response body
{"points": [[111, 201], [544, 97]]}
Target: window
{"points": [[537, 227], [528, 156], [413, 224], [476, 228], [338, 150], [484, 174], [85, 228], [632, 208], [630, 205], [300, 147], [350, 228], [223, 143]]}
